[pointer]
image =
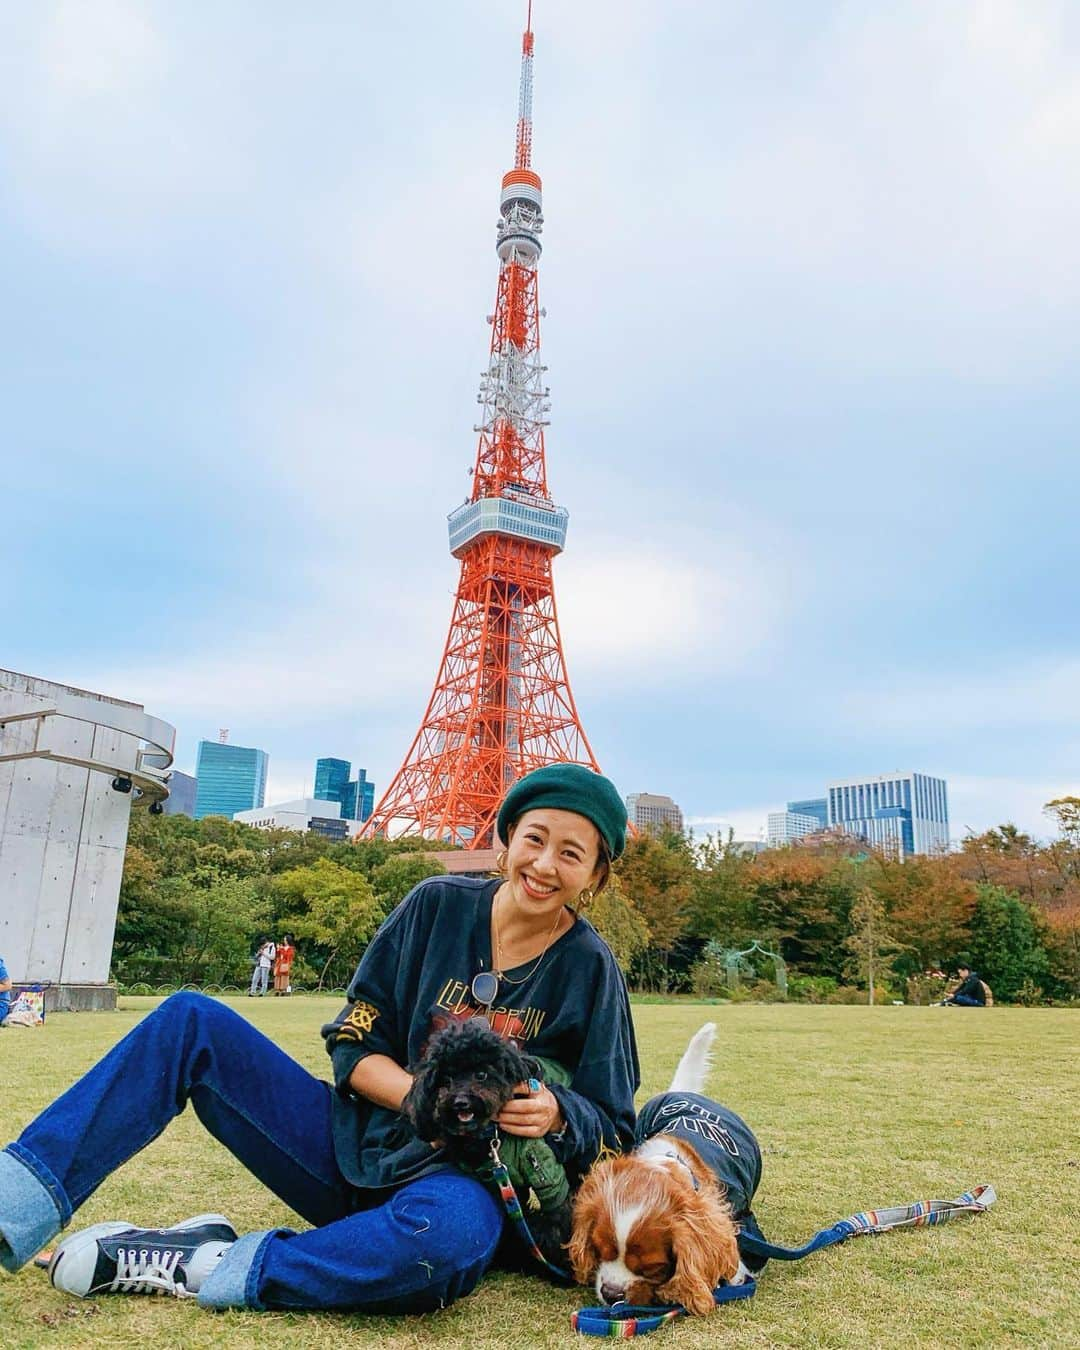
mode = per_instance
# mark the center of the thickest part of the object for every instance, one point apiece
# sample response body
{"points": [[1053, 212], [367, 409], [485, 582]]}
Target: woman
{"points": [[396, 1228], [283, 965]]}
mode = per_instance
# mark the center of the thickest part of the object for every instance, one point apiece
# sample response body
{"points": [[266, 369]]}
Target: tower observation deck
{"points": [[501, 705]]}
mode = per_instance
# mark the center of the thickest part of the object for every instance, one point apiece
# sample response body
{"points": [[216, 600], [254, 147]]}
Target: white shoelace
{"points": [[148, 1271]]}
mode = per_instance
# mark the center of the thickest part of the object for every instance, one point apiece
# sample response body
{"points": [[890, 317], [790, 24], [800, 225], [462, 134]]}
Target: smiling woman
{"points": [[511, 949]]}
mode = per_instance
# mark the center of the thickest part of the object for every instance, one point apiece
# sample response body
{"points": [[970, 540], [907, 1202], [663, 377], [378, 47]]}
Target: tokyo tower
{"points": [[502, 704]]}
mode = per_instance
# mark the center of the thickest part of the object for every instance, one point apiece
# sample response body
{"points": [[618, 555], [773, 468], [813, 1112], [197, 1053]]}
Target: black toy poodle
{"points": [[466, 1076]]}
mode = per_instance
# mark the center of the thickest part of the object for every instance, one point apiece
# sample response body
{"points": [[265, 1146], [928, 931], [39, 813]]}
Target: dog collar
{"points": [[677, 1157]]}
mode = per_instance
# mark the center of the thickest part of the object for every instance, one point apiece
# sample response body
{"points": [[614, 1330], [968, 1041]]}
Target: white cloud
{"points": [[979, 803], [665, 609], [748, 822], [1042, 694]]}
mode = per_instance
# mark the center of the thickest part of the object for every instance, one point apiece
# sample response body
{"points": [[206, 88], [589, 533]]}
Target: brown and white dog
{"points": [[660, 1225]]}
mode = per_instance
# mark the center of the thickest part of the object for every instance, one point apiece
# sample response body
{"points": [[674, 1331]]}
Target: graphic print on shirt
{"points": [[690, 1118], [513, 1024], [360, 1020]]}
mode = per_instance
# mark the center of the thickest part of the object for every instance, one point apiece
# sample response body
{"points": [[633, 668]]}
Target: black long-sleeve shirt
{"points": [[971, 987], [573, 1008]]}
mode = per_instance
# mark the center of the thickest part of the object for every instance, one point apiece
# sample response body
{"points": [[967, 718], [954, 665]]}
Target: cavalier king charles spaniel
{"points": [[661, 1224]]}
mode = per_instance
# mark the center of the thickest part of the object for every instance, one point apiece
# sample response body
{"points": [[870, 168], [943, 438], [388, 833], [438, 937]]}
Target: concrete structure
{"points": [[784, 827], [303, 814], [818, 807], [231, 778], [650, 811], [181, 800], [71, 764], [903, 813]]}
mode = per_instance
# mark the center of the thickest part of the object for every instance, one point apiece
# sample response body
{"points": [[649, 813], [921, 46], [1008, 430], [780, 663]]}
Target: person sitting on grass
{"points": [[5, 991], [969, 993], [396, 1228]]}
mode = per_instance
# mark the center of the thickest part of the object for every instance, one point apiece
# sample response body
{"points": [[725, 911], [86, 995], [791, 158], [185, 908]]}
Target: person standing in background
{"points": [[283, 965], [264, 963]]}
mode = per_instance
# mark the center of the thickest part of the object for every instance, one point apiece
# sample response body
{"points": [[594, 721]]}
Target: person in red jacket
{"points": [[283, 965]]}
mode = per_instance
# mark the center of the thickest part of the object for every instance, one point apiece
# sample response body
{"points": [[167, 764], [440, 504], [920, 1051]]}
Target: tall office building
{"points": [[818, 807], [331, 780], [904, 813], [230, 778], [784, 827], [358, 801], [181, 798], [651, 811]]}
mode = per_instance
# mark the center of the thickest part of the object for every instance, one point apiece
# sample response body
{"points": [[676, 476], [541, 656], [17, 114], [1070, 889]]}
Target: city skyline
{"points": [[813, 397]]}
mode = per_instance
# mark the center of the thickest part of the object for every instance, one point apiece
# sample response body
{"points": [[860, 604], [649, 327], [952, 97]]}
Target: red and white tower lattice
{"points": [[502, 704]]}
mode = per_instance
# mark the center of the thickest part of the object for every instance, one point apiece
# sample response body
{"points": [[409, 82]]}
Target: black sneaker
{"points": [[114, 1258]]}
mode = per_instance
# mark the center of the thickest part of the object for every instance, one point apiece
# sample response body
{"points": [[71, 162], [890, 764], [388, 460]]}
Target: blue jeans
{"points": [[426, 1245], [964, 1001]]}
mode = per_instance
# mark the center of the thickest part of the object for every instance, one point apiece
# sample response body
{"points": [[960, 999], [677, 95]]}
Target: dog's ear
{"points": [[419, 1104], [705, 1250], [589, 1210]]}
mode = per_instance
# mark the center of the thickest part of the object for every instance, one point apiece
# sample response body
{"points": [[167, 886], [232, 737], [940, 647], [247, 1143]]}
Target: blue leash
{"points": [[623, 1321]]}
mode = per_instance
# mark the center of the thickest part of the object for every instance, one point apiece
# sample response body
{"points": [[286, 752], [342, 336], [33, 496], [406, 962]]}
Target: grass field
{"points": [[854, 1107]]}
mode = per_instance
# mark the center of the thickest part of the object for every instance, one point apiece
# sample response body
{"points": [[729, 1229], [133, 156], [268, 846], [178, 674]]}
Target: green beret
{"points": [[568, 787]]}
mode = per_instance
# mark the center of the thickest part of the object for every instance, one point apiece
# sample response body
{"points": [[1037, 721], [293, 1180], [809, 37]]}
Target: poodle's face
{"points": [[466, 1077]]}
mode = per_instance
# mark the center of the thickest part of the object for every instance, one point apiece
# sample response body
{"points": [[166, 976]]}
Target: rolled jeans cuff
{"points": [[33, 1207], [234, 1281]]}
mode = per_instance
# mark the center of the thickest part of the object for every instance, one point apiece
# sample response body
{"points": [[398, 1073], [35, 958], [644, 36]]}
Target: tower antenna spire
{"points": [[502, 704], [523, 148]]}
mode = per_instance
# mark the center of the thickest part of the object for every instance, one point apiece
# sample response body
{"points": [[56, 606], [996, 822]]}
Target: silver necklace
{"points": [[498, 948]]}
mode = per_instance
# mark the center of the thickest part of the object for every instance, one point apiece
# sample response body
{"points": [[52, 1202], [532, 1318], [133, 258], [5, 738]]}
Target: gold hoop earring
{"points": [[586, 898], [500, 860]]}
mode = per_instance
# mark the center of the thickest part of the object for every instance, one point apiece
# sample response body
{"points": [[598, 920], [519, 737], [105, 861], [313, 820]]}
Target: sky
{"points": [[812, 298]]}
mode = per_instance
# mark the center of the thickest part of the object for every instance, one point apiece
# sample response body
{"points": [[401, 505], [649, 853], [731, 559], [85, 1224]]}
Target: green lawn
{"points": [[854, 1107]]}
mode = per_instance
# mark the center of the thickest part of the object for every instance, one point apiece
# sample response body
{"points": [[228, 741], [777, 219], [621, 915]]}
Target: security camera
{"points": [[121, 784], [156, 809]]}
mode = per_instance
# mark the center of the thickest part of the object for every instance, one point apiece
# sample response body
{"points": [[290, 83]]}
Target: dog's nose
{"points": [[611, 1293]]}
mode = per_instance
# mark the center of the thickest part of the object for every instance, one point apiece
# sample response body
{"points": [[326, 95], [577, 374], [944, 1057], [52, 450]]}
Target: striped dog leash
{"points": [[623, 1321], [501, 1176]]}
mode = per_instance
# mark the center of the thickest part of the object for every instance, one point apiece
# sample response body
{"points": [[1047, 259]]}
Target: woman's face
{"points": [[551, 858]]}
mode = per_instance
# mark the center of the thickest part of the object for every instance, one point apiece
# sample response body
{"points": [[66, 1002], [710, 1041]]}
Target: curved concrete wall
{"points": [[63, 828]]}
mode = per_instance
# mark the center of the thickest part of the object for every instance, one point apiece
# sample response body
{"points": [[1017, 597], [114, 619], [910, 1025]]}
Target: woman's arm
{"points": [[381, 1080]]}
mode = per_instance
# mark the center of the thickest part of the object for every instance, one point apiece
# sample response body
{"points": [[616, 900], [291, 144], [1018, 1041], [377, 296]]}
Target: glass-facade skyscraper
{"points": [[818, 807], [905, 813], [331, 780], [332, 784], [359, 800], [229, 778]]}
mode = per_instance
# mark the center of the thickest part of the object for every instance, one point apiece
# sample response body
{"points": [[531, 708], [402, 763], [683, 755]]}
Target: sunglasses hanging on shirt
{"points": [[484, 989]]}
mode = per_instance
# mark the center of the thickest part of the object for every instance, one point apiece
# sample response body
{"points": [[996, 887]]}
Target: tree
{"points": [[619, 923], [335, 909], [393, 879], [928, 902], [870, 940], [721, 901], [1006, 943], [1065, 811], [656, 874]]}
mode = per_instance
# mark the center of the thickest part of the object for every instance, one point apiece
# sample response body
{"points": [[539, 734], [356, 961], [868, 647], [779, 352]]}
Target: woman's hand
{"points": [[531, 1114]]}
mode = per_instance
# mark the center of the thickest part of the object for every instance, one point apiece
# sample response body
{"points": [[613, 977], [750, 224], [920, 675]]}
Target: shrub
{"points": [[811, 988]]}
